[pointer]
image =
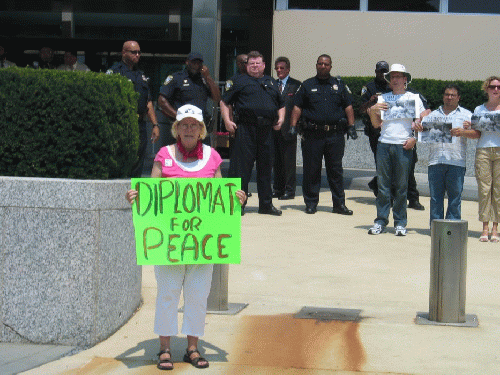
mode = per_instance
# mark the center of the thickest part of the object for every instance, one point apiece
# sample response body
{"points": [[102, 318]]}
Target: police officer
{"points": [[131, 54], [260, 109], [325, 105], [369, 94], [194, 85]]}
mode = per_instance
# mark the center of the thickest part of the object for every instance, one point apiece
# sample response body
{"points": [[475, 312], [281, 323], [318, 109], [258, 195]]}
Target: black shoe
{"points": [[277, 194], [287, 196], [342, 209], [416, 205], [271, 210], [310, 209]]}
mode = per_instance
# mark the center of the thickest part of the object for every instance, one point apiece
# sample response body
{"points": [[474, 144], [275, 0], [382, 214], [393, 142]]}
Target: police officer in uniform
{"points": [[369, 94], [327, 114], [194, 85], [258, 103], [131, 54]]}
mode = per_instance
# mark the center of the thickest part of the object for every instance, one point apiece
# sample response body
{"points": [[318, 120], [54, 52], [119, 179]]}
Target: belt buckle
{"points": [[327, 128]]}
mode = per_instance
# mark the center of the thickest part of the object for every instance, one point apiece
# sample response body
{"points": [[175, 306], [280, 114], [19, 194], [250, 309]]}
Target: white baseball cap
{"points": [[189, 110], [397, 68]]}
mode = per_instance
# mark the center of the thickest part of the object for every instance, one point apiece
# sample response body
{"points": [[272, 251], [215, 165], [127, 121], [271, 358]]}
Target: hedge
{"points": [[431, 89], [67, 124]]}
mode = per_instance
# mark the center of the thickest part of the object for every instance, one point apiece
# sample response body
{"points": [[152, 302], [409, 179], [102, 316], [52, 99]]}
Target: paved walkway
{"points": [[327, 261]]}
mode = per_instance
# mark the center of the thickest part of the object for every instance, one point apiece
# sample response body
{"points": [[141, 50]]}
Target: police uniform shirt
{"points": [[256, 97], [140, 81], [181, 88], [323, 101], [373, 88]]}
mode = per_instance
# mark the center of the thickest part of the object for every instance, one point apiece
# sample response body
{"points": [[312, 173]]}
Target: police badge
{"points": [[229, 84], [363, 90], [168, 80]]}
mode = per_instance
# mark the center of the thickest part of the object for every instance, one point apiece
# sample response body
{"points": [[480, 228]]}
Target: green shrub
{"points": [[431, 89], [67, 124]]}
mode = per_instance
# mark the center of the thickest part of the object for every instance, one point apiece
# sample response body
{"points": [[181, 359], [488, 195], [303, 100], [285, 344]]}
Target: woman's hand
{"points": [[131, 195], [242, 197], [467, 125]]}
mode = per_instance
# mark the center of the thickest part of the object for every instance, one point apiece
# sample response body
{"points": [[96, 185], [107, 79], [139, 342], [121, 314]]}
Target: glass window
{"points": [[477, 6], [324, 4], [404, 6]]}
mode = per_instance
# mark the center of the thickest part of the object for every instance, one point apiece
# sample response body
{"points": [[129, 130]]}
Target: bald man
{"points": [[131, 53]]}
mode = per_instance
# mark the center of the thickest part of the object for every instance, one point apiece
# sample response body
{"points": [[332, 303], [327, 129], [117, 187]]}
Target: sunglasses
{"points": [[137, 52], [492, 87]]}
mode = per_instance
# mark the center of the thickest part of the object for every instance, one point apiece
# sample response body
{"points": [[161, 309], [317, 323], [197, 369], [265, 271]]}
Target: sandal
{"points": [[162, 362], [483, 238], [195, 361], [494, 238]]}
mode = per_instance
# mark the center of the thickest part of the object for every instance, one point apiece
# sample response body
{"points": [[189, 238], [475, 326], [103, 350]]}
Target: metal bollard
{"points": [[217, 299], [448, 269]]}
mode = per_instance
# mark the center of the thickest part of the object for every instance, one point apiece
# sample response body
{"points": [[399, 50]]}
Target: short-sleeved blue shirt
{"points": [[323, 101], [140, 81], [182, 88], [254, 97]]}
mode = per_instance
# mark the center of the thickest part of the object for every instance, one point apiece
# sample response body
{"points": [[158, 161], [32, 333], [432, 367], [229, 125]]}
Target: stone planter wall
{"points": [[68, 267]]}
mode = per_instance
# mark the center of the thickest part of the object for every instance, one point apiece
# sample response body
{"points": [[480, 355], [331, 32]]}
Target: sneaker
{"points": [[400, 231], [376, 229]]}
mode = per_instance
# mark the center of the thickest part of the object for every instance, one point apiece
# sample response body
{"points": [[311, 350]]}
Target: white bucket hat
{"points": [[189, 110], [397, 68]]}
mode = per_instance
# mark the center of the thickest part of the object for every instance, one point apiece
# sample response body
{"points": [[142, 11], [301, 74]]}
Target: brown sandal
{"points": [[165, 361], [195, 361]]}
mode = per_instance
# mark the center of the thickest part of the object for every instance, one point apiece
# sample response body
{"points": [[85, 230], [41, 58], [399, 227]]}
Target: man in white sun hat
{"points": [[396, 113]]}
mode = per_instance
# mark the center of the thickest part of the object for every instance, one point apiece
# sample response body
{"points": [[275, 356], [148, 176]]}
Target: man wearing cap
{"points": [[194, 85], [285, 139], [71, 63], [257, 100], [131, 53], [327, 114], [394, 150], [369, 95]]}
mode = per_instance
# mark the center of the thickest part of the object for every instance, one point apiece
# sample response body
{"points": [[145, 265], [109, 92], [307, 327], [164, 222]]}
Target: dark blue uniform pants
{"points": [[315, 146], [253, 144]]}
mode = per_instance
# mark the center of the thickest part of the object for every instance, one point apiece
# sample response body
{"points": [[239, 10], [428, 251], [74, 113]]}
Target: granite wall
{"points": [[68, 267]]}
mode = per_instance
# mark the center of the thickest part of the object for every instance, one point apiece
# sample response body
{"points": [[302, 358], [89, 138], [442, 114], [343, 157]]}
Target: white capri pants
{"points": [[195, 280]]}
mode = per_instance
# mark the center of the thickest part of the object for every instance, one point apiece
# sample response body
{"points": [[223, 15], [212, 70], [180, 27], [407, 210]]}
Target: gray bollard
{"points": [[218, 298], [448, 270]]}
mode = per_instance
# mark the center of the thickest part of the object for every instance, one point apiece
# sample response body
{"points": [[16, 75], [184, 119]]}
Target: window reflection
{"points": [[476, 6], [404, 6]]}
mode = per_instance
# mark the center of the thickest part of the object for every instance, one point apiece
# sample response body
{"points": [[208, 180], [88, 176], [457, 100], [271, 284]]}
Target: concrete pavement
{"points": [[322, 260]]}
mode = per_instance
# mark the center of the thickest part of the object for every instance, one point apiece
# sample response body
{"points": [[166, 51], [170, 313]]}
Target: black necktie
{"points": [[280, 85]]}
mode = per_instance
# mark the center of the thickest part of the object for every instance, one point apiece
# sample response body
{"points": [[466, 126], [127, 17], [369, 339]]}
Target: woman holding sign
{"points": [[488, 158], [187, 158]]}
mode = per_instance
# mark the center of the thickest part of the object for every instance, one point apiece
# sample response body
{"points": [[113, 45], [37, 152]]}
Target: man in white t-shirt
{"points": [[394, 150], [447, 160]]}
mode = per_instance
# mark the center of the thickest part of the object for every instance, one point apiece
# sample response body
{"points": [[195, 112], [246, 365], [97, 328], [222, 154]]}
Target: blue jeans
{"points": [[450, 179], [393, 168]]}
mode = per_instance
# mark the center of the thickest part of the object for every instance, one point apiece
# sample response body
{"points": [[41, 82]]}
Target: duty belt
{"points": [[325, 127], [258, 121]]}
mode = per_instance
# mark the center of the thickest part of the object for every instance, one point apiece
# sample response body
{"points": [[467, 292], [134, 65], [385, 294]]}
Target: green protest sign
{"points": [[187, 220]]}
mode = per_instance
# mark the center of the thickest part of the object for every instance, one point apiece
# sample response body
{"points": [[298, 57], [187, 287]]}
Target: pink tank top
{"points": [[202, 168]]}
